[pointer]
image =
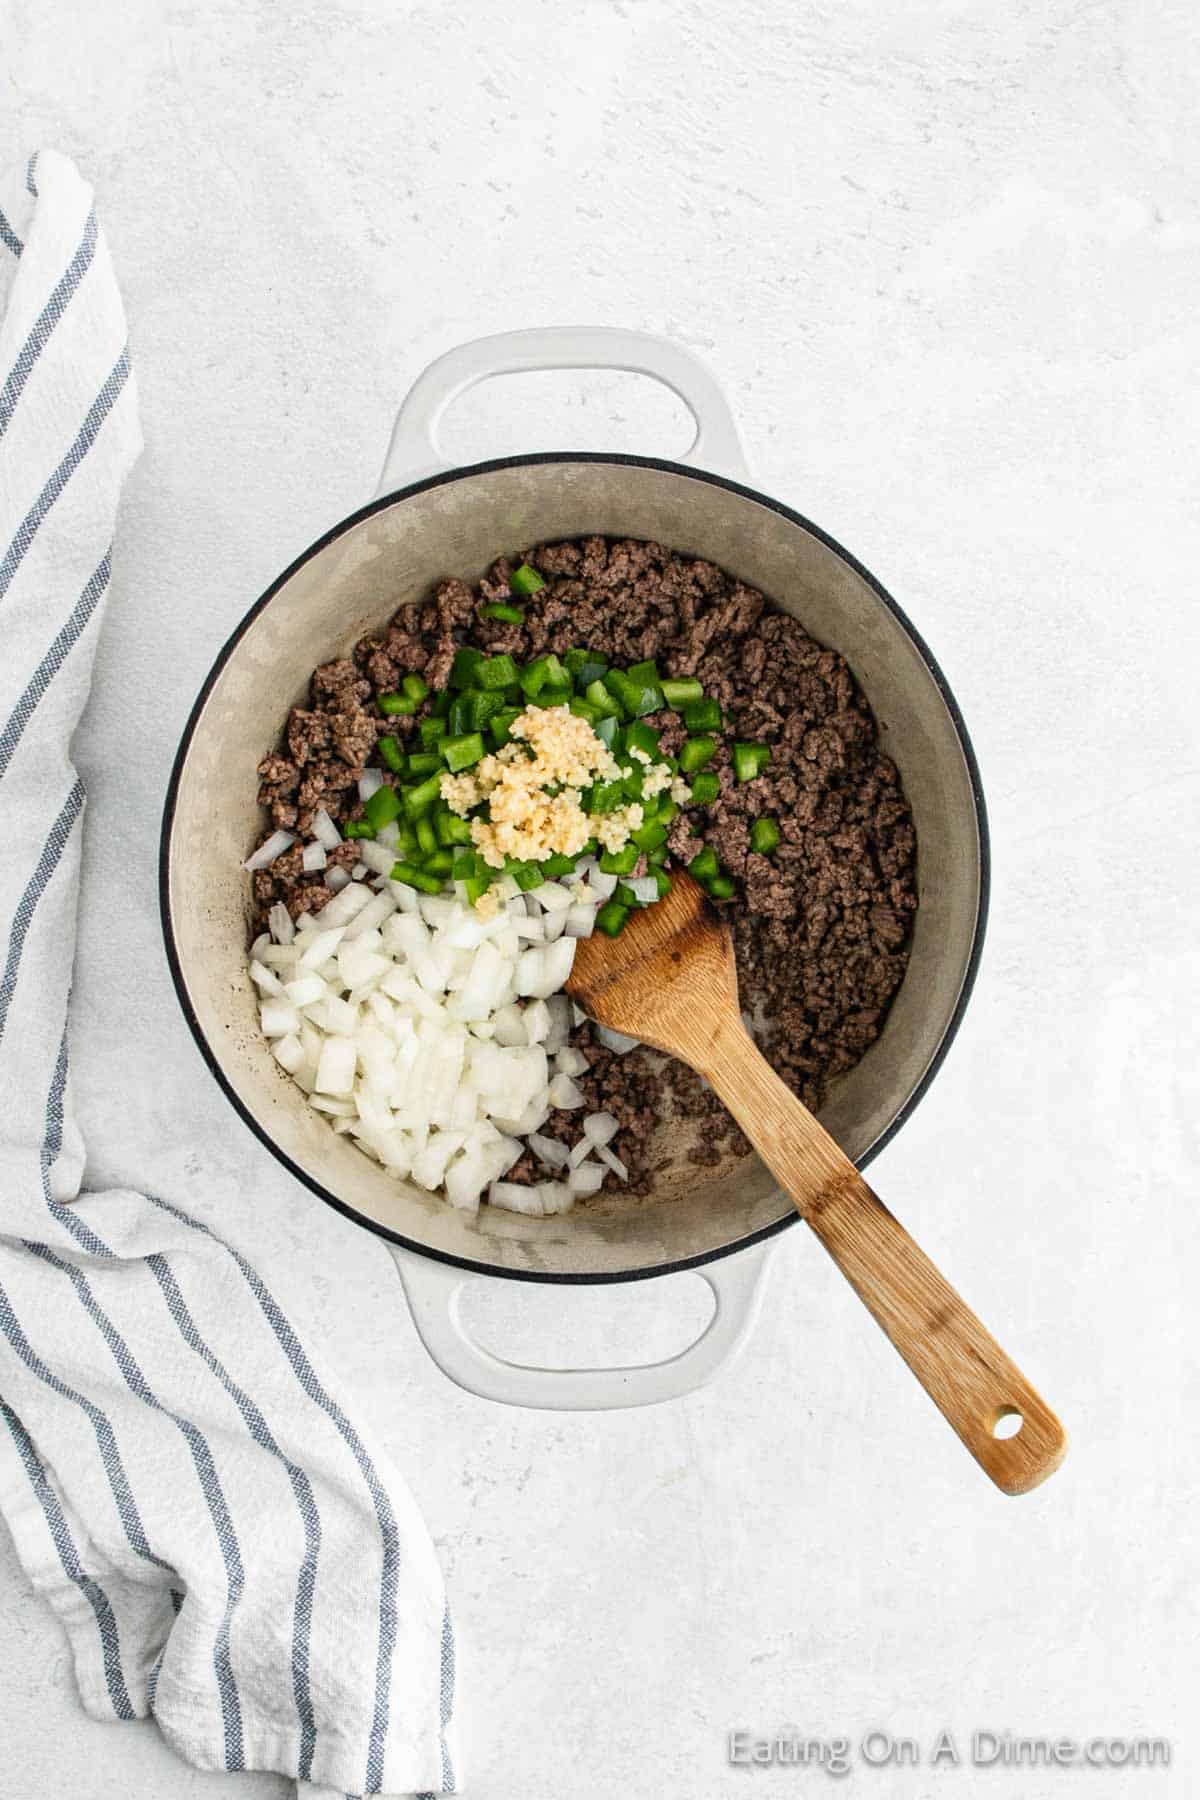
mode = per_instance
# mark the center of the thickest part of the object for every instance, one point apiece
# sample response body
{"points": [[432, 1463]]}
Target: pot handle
{"points": [[434, 1291], [414, 452]]}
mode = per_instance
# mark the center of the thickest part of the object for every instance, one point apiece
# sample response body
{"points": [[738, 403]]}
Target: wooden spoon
{"points": [[670, 980]]}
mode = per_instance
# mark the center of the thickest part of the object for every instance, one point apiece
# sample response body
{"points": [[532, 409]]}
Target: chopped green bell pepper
{"points": [[641, 737], [696, 752], [462, 752], [702, 715], [465, 667], [382, 807], [764, 836], [611, 918], [391, 755], [527, 875], [585, 666], [704, 864], [681, 692], [417, 878], [499, 728], [419, 799], [526, 581], [450, 828], [495, 672], [424, 762], [391, 705], [620, 862], [750, 760]]}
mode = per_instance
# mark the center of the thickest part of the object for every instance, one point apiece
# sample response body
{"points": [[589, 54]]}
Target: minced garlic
{"points": [[564, 746], [552, 747], [611, 830], [461, 793]]}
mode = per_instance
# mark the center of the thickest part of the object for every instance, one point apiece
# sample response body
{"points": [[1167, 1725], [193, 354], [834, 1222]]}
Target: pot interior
{"points": [[390, 557]]}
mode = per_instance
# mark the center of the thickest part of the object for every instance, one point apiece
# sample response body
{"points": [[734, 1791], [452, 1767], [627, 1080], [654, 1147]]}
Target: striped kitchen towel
{"points": [[182, 1482]]}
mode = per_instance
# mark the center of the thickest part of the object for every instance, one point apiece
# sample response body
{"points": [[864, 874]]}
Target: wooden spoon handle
{"points": [[962, 1368]]}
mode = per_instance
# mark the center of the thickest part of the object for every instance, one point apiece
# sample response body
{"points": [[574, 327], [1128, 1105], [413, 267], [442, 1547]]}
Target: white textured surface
{"points": [[945, 256]]}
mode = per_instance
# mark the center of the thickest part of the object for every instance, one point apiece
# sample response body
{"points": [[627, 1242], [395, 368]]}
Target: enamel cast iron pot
{"points": [[429, 521]]}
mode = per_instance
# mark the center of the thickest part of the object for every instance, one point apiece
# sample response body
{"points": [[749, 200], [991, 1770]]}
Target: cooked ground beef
{"points": [[820, 928]]}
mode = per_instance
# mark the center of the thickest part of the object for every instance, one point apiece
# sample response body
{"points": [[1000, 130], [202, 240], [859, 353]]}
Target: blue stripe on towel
{"points": [[390, 1574], [449, 1785], [65, 641], [68, 1555], [51, 1146], [36, 886], [45, 322], [99, 410], [301, 1488], [9, 238], [210, 1484], [110, 1455], [106, 1442]]}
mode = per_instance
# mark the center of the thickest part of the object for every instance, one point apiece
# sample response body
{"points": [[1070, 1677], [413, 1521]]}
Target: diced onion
{"points": [[554, 1154], [560, 1023], [564, 1094], [614, 1162], [342, 909], [278, 1017], [541, 973], [616, 1040], [513, 1197], [537, 1021], [600, 1128], [320, 946], [313, 858], [551, 896], [378, 857], [554, 924], [436, 1040], [369, 782], [336, 879], [335, 1070], [305, 990], [324, 829], [288, 1052], [265, 855], [644, 889], [555, 1196], [581, 921], [280, 921]]}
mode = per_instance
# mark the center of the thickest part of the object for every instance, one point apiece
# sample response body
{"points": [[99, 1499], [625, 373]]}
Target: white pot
{"points": [[428, 522]]}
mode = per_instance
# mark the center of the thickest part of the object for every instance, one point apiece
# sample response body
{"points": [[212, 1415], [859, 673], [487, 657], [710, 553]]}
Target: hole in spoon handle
{"points": [[1003, 1421]]}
